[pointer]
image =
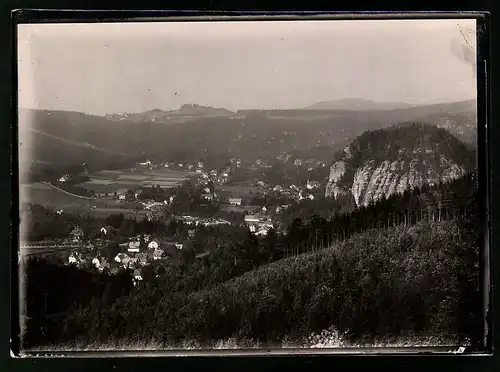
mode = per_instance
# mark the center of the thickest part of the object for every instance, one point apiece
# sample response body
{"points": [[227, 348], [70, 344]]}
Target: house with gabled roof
{"points": [[158, 254], [153, 244], [137, 276], [76, 234], [134, 246], [122, 258], [235, 201]]}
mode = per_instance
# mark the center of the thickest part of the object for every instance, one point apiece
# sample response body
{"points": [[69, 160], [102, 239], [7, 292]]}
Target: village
{"points": [[137, 251], [258, 203]]}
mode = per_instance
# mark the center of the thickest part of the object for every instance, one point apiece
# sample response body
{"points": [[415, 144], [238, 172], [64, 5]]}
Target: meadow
{"points": [[107, 181], [101, 182]]}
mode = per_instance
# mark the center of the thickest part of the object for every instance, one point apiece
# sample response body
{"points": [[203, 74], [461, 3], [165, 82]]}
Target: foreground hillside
{"points": [[380, 163], [388, 284]]}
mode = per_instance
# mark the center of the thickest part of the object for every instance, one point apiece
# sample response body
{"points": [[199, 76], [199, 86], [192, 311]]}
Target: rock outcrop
{"points": [[381, 163]]}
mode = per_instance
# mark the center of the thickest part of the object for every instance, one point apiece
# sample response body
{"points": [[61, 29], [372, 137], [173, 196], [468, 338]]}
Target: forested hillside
{"points": [[62, 138]]}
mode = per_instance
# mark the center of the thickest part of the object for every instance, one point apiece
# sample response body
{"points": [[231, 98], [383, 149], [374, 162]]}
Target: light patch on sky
{"points": [[134, 67]]}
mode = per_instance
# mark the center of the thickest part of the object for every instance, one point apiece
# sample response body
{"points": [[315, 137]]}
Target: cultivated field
{"points": [[101, 182], [54, 199], [39, 193], [109, 181], [240, 208]]}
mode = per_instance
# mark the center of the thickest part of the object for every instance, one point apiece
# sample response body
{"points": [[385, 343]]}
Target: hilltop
{"points": [[382, 162], [184, 113]]}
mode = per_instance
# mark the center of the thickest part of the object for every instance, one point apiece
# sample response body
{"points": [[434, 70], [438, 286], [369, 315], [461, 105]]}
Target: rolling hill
{"points": [[61, 138], [186, 112]]}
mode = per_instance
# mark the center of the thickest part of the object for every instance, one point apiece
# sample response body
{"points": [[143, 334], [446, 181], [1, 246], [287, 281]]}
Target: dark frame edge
{"points": [[483, 25], [19, 16], [15, 344]]}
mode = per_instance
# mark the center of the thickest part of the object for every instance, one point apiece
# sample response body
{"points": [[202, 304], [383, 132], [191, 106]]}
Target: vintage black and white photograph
{"points": [[211, 185]]}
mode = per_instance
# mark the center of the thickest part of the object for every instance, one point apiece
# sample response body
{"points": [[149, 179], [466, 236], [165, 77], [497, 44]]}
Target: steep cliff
{"points": [[382, 162]]}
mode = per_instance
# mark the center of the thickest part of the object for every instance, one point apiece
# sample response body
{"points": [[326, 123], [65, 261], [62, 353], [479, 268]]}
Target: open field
{"points": [[103, 212], [39, 193], [240, 208], [110, 181]]}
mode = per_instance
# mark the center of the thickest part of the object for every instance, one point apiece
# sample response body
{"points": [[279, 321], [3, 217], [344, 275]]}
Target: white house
{"points": [[137, 276], [249, 218], [207, 196], [312, 185], [235, 201], [133, 247], [122, 258], [157, 254], [76, 234], [64, 178], [262, 231], [118, 257], [153, 245]]}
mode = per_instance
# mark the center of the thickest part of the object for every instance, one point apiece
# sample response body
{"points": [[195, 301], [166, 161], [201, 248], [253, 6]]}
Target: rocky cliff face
{"points": [[384, 162]]}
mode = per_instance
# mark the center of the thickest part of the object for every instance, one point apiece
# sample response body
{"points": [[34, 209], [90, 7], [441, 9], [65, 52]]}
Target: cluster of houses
{"points": [[260, 223], [293, 191], [134, 254], [198, 221]]}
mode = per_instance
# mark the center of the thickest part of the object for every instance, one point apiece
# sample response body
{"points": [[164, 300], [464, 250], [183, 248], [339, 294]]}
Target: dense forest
{"points": [[405, 265]]}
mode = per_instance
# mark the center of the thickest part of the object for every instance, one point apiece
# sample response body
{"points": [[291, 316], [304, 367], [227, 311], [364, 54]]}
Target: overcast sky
{"points": [[133, 67]]}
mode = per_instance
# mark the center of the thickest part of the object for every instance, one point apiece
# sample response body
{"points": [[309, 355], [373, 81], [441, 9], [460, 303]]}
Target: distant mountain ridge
{"points": [[65, 137], [186, 112], [357, 104], [382, 162]]}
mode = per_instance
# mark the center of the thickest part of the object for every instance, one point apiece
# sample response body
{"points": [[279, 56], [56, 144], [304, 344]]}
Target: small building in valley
{"points": [[134, 246], [235, 201]]}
